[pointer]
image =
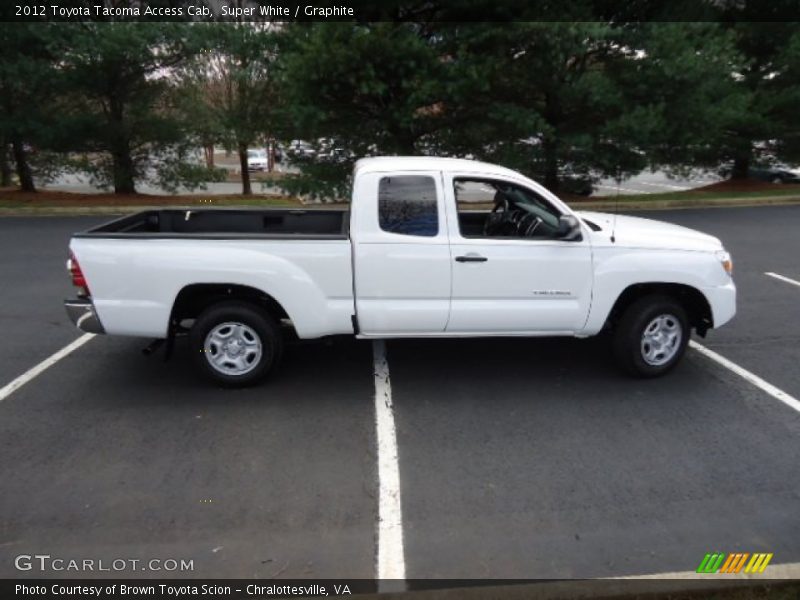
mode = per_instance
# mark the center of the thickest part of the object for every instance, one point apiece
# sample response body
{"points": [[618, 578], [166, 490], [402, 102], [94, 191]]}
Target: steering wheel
{"points": [[528, 225], [502, 219]]}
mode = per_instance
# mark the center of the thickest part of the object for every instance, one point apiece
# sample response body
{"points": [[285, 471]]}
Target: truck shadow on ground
{"points": [[341, 369], [344, 366]]}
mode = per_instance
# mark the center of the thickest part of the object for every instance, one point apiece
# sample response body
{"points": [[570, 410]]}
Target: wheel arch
{"points": [[194, 298], [693, 301]]}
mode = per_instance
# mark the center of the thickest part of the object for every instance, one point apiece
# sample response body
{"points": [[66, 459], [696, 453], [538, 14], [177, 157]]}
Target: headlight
{"points": [[726, 261]]}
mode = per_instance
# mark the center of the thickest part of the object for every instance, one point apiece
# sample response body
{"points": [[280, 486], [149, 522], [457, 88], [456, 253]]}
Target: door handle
{"points": [[471, 258]]}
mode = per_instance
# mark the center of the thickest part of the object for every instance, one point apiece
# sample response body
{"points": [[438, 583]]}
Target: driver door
{"points": [[509, 285]]}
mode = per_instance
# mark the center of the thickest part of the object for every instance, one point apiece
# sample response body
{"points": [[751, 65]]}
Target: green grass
{"points": [[690, 196], [175, 201], [243, 201], [57, 203]]}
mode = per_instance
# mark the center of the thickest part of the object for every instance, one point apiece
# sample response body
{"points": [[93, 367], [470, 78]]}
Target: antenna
{"points": [[618, 179]]}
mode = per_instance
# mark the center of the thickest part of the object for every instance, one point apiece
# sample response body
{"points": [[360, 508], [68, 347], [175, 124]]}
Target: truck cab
{"points": [[450, 247]]}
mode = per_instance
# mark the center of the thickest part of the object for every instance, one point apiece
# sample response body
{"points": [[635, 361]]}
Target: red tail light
{"points": [[78, 280]]}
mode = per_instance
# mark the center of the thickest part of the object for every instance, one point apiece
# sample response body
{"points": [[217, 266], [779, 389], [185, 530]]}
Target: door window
{"points": [[489, 208]]}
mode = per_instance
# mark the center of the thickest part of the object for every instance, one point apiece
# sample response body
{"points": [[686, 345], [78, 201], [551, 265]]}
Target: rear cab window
{"points": [[407, 205]]}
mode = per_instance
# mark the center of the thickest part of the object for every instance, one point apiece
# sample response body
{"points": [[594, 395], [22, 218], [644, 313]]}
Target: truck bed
{"points": [[222, 223]]}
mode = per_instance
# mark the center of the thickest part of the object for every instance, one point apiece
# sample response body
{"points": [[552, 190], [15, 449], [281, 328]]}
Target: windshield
{"points": [[256, 154]]}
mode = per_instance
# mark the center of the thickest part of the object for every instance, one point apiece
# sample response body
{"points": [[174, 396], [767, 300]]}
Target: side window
{"points": [[407, 205]]}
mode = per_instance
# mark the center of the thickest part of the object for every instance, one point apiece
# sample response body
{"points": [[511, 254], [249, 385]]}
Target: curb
{"points": [[609, 205]]}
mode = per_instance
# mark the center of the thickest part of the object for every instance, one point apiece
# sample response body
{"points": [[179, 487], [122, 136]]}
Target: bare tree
{"points": [[234, 83]]}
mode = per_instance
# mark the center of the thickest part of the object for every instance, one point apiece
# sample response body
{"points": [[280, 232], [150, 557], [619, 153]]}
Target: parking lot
{"points": [[517, 458]]}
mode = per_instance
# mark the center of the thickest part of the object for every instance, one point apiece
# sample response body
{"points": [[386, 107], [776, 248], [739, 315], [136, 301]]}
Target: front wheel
{"points": [[235, 344], [651, 336]]}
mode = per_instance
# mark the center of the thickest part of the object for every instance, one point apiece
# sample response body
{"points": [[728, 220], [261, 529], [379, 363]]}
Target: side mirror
{"points": [[569, 228]]}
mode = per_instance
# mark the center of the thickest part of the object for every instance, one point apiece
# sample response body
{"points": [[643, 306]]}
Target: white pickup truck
{"points": [[413, 257]]}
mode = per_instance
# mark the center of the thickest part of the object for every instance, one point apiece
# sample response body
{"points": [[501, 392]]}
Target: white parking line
{"points": [[670, 186], [390, 568], [765, 386], [782, 278], [622, 189], [28, 375]]}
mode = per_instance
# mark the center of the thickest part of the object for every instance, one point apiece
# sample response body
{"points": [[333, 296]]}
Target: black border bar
{"points": [[399, 10]]}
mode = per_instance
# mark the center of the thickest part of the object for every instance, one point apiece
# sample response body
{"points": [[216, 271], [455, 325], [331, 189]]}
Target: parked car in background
{"points": [[321, 150], [257, 160], [300, 149], [776, 173]]}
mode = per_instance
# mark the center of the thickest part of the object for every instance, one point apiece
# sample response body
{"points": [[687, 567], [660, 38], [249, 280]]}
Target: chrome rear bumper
{"points": [[81, 312]]}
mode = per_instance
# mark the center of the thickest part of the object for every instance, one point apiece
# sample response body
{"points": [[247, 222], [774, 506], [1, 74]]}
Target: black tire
{"points": [[628, 335], [258, 325], [776, 179]]}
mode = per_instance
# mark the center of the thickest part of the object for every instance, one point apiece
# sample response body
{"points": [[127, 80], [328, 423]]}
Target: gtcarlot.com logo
{"points": [[720, 562], [46, 562]]}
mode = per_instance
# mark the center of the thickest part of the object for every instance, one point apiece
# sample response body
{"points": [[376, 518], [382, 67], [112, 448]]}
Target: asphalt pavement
{"points": [[520, 458], [32, 280]]}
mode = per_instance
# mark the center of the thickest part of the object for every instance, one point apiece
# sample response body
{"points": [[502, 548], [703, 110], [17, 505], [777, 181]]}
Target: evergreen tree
{"points": [[118, 102], [767, 76], [355, 90], [28, 88]]}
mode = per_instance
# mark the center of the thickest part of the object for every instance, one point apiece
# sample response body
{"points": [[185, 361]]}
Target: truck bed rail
{"points": [[221, 223]]}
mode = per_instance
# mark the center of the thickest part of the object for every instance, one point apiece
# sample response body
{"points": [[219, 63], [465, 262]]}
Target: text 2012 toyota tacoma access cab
{"points": [[412, 258]]}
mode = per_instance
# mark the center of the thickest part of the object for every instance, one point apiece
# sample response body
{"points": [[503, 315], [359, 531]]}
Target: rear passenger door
{"points": [[401, 254]]}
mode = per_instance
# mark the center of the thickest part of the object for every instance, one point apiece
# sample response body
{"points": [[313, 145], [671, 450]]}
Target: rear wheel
{"points": [[235, 343], [651, 336]]}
